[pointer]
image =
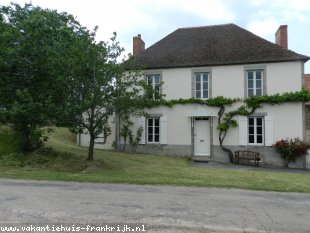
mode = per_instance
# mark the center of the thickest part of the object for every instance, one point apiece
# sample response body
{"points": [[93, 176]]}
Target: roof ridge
{"points": [[209, 26]]}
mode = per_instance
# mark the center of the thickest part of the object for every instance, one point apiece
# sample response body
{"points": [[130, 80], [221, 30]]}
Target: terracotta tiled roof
{"points": [[212, 45]]}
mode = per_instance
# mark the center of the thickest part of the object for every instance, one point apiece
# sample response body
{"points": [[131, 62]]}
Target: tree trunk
{"points": [[125, 141], [25, 142], [91, 148], [229, 152], [286, 162], [222, 135]]}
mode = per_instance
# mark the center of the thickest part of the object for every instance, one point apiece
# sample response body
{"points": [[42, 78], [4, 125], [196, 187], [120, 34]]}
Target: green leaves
{"points": [[35, 62], [298, 96]]}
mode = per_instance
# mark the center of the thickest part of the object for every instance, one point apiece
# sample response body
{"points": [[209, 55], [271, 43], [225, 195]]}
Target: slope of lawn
{"points": [[61, 159]]}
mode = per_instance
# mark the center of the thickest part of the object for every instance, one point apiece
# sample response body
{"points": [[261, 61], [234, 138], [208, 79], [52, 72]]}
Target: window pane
{"points": [[205, 77], [259, 130], [259, 121], [251, 130], [150, 130], [205, 85], [258, 92], [205, 94], [258, 74], [157, 79], [157, 122], [156, 130], [156, 138], [198, 86], [150, 137], [258, 83], [198, 94], [149, 79], [198, 77], [250, 83], [251, 121], [251, 138], [250, 92], [250, 75], [259, 139], [150, 122]]}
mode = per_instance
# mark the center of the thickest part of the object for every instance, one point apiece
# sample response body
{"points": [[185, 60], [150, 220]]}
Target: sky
{"points": [[154, 19]]}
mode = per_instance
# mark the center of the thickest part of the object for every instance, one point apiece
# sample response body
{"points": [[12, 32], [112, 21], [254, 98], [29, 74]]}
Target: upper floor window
{"points": [[153, 81], [201, 85], [255, 82]]}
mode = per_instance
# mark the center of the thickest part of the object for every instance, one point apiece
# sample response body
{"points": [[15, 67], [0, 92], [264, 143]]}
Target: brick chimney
{"points": [[138, 45], [281, 36]]}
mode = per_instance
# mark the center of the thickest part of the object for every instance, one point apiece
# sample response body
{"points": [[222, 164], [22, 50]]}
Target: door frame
{"points": [[211, 135]]}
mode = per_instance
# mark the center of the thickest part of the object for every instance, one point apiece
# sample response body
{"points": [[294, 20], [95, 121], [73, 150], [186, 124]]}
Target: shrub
{"points": [[290, 149]]}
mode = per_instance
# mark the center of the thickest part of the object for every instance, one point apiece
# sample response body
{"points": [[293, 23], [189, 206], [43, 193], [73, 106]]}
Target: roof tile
{"points": [[212, 45]]}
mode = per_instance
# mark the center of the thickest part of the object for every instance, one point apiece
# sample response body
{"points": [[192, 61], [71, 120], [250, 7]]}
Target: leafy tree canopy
{"points": [[35, 47]]}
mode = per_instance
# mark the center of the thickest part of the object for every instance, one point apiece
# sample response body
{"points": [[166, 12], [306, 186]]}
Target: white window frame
{"points": [[154, 84], [255, 131], [201, 85], [254, 82], [153, 133]]}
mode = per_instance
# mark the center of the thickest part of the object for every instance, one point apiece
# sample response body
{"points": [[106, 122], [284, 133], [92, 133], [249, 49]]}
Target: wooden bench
{"points": [[247, 155]]}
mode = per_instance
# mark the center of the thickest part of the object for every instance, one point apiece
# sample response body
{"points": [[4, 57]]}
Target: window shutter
{"points": [[268, 130], [193, 86], [243, 129], [163, 131], [141, 122]]}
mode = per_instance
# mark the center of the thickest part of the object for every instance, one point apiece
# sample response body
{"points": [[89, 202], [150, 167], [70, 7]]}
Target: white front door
{"points": [[202, 136]]}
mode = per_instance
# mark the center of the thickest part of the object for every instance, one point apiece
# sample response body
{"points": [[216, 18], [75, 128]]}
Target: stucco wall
{"points": [[83, 139], [228, 81], [284, 77]]}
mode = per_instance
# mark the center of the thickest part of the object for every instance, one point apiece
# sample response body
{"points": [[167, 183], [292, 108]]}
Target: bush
{"points": [[290, 149]]}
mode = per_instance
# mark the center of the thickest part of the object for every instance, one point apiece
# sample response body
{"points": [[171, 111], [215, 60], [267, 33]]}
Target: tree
{"points": [[99, 87], [34, 62]]}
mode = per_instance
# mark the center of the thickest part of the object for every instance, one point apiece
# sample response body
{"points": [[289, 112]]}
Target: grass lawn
{"points": [[61, 159]]}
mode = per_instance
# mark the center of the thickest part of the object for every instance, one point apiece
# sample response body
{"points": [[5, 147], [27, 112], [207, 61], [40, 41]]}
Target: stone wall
{"points": [[269, 155]]}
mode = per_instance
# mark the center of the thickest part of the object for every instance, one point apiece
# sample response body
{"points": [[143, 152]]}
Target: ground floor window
{"points": [[255, 131], [153, 130]]}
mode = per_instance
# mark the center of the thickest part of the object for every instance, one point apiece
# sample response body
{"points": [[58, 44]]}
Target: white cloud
{"points": [[207, 9], [264, 28], [300, 5], [284, 9], [156, 18], [256, 3]]}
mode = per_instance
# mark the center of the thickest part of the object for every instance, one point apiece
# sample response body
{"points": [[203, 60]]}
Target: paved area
{"points": [[250, 167], [161, 208]]}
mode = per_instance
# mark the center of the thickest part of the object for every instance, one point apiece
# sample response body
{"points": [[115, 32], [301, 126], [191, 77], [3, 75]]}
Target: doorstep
{"points": [[201, 158]]}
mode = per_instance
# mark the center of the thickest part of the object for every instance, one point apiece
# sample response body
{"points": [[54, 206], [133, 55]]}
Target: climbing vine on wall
{"points": [[226, 119]]}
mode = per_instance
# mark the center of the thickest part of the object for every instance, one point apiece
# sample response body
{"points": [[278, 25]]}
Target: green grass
{"points": [[61, 159]]}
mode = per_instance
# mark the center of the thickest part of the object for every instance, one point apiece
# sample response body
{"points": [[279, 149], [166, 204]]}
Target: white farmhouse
{"points": [[223, 60]]}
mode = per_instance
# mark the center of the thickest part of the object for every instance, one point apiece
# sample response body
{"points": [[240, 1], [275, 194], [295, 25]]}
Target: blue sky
{"points": [[154, 19]]}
